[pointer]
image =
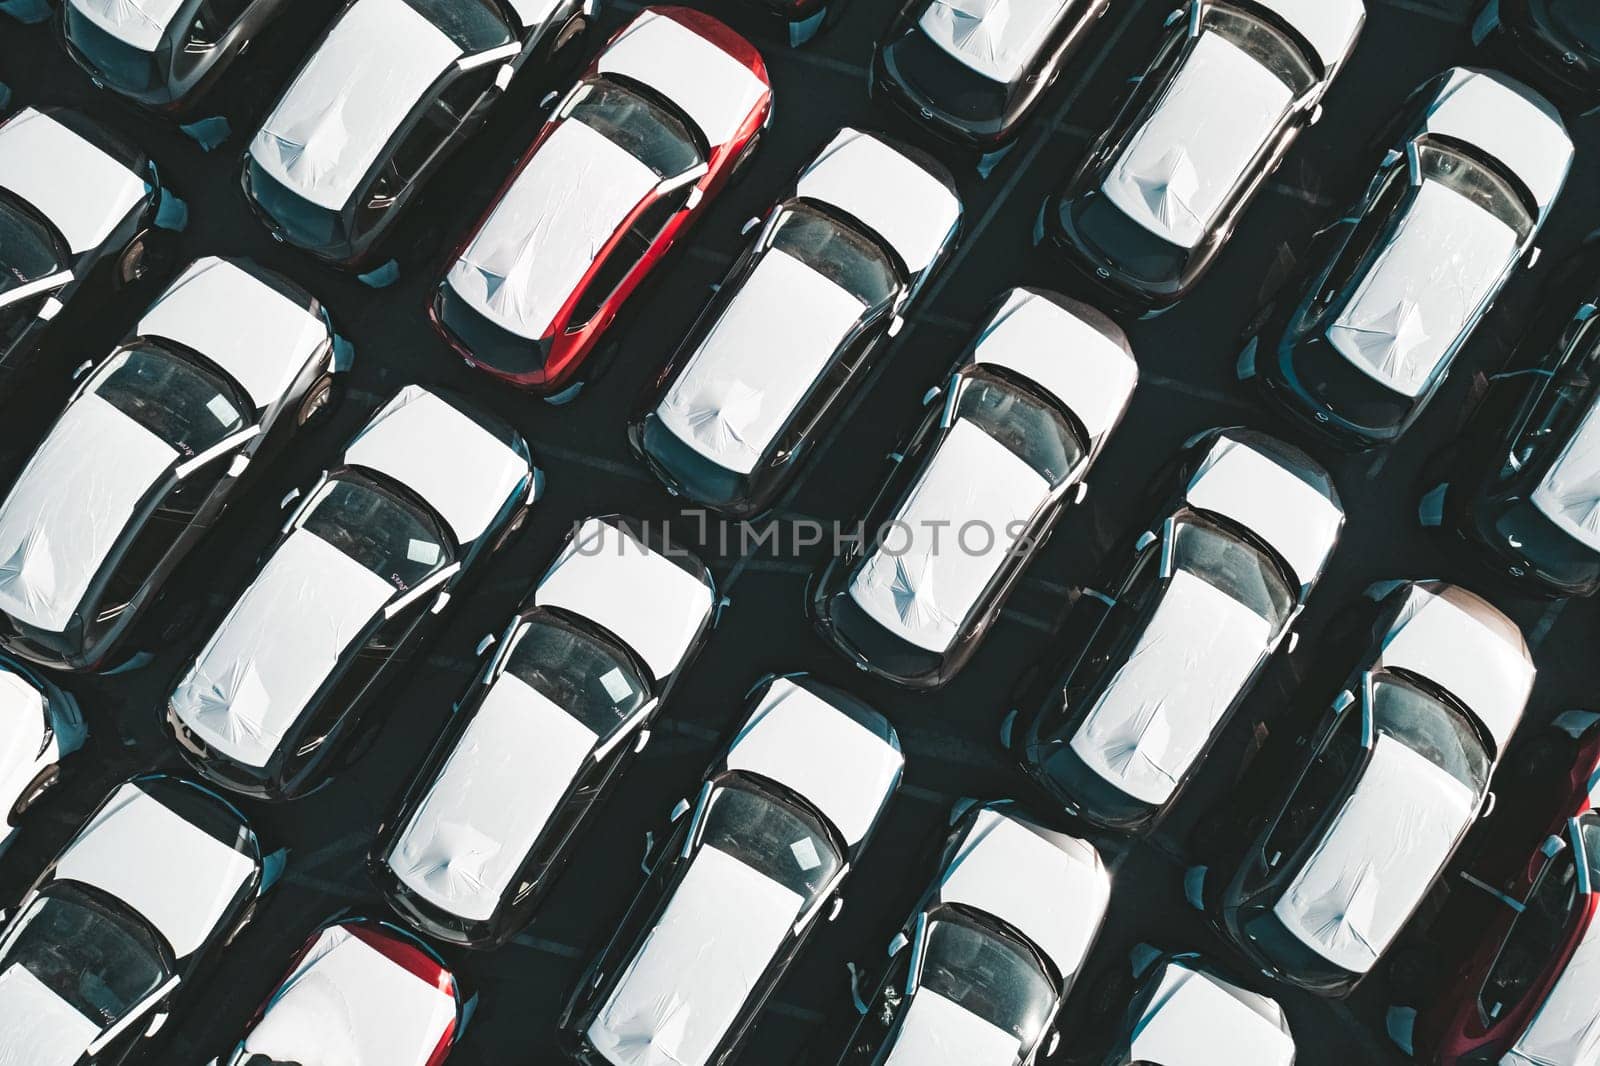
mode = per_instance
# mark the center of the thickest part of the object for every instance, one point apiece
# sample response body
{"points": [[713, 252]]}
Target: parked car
{"points": [[40, 725], [390, 92], [220, 373], [995, 946], [1556, 43], [165, 56], [1231, 87], [742, 883], [1361, 341], [134, 911], [975, 70], [1520, 984], [1213, 591], [1324, 872], [1187, 1011], [662, 120], [802, 317], [421, 498], [79, 209], [544, 732], [360, 991], [978, 489]]}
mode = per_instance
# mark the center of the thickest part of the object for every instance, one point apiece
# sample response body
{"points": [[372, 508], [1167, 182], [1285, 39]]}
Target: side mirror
{"points": [[484, 645], [898, 944], [696, 194], [156, 1022], [838, 908], [293, 495], [749, 224], [679, 810], [1553, 846], [503, 76], [644, 739], [1146, 539], [895, 325], [1055, 1042]]}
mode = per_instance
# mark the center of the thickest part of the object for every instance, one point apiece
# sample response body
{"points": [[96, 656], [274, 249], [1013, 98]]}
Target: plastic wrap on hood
{"points": [[717, 91], [951, 536], [355, 91], [1444, 262], [1161, 707], [939, 1032], [277, 646], [1566, 1030], [758, 362], [69, 506], [692, 975], [38, 1027], [1569, 493], [996, 38], [1199, 1020], [534, 249], [1378, 858], [139, 24], [1510, 122], [1179, 169], [491, 801], [84, 192], [347, 1004]]}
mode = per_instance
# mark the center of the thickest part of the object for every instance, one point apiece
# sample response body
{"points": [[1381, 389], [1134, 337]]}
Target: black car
{"points": [[974, 70], [544, 732], [279, 697], [1556, 43], [392, 89], [221, 371]]}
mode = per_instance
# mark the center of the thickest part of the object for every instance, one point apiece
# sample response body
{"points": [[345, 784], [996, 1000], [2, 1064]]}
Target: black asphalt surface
{"points": [[1187, 360]]}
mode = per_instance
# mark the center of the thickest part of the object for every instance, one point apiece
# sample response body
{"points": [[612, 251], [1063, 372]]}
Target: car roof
{"points": [[1461, 642], [139, 24], [1510, 122], [714, 88], [332, 122], [40, 1025], [180, 878], [999, 39], [903, 201], [609, 576], [1293, 508], [69, 505], [22, 726], [260, 337], [1566, 1027], [846, 765], [444, 455], [1569, 492], [1329, 26], [82, 190], [276, 647], [1197, 1019]]}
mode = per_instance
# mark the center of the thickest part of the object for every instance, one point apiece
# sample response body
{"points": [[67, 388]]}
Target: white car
{"points": [[544, 732], [1186, 1013], [755, 865], [40, 725], [978, 489], [422, 496]]}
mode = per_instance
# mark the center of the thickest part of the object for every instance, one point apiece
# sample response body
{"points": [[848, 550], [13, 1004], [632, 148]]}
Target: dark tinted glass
{"points": [[772, 837], [186, 406], [389, 536], [1430, 728], [580, 672], [1235, 567], [988, 976], [646, 131], [98, 964], [837, 252], [1034, 431]]}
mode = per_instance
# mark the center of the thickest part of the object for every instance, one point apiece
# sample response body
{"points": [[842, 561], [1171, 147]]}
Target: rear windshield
{"points": [[1431, 728], [1034, 431], [1265, 44], [583, 674], [393, 538], [645, 130], [836, 251], [185, 405], [1233, 566], [772, 837], [989, 976], [98, 964]]}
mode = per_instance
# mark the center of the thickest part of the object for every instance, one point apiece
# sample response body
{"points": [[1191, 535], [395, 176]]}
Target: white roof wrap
{"points": [[1216, 116], [1255, 490], [940, 1032], [759, 361], [804, 743], [21, 734], [1488, 670], [896, 198], [277, 646], [1566, 1030], [1330, 25], [145, 854], [252, 331], [38, 1027], [1511, 122], [1159, 710], [1054, 894], [648, 602], [926, 576], [996, 38], [1447, 257], [713, 88], [83, 191], [1198, 1020], [1569, 492], [69, 505], [139, 24], [542, 236], [347, 1004], [492, 798], [693, 973], [1379, 857], [441, 454], [1065, 356], [354, 92]]}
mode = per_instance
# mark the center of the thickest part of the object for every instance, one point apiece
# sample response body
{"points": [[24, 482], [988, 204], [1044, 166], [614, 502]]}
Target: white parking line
{"points": [[1216, 396], [549, 947], [593, 462], [1547, 622]]}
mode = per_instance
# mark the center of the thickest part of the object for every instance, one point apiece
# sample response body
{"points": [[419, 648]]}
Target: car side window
{"points": [[1362, 241], [15, 318], [148, 548], [1534, 938], [627, 253], [1317, 790]]}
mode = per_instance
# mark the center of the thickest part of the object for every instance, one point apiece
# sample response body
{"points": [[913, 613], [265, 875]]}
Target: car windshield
{"points": [[395, 539], [1234, 566], [472, 24], [1430, 727], [1123, 243], [990, 976], [1031, 429], [837, 252], [27, 247], [102, 965], [773, 837], [947, 83], [584, 674], [1462, 174], [1533, 945], [639, 126], [1265, 44], [184, 404]]}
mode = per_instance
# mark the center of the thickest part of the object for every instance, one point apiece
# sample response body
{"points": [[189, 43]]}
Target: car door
{"points": [[618, 274]]}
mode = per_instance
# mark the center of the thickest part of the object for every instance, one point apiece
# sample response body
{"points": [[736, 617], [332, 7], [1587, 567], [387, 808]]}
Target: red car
{"points": [[1525, 989], [668, 112]]}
